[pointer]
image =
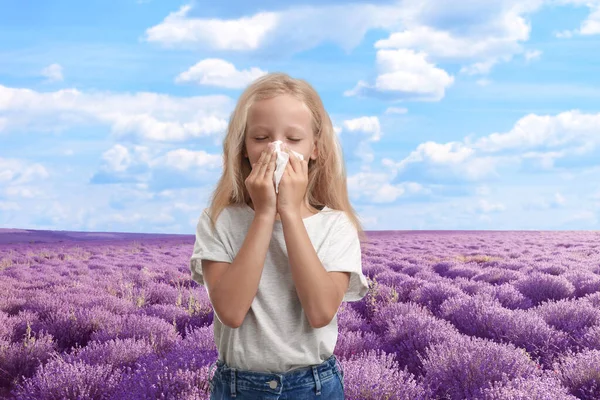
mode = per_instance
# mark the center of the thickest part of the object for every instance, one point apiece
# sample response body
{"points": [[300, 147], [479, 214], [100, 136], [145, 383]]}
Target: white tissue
{"points": [[281, 162]]}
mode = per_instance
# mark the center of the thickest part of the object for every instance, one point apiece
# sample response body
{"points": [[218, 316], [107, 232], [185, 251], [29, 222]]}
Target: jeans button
{"points": [[273, 384]]}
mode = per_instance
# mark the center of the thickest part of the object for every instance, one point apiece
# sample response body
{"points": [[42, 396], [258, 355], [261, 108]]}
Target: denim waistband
{"points": [[276, 383]]}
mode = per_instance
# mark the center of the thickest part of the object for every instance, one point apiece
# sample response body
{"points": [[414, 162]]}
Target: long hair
{"points": [[326, 175]]}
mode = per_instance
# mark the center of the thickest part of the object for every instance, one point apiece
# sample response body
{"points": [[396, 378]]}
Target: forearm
{"points": [[315, 287], [237, 287]]}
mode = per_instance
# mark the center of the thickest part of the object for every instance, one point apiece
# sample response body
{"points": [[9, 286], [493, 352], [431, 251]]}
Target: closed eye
{"points": [[293, 140]]}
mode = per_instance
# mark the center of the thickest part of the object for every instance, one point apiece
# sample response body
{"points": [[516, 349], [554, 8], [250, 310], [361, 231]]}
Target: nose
{"points": [[282, 145]]}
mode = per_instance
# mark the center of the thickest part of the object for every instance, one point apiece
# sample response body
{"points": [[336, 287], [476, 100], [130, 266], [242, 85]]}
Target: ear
{"points": [[315, 152]]}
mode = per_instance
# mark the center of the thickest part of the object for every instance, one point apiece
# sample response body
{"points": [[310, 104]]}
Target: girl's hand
{"points": [[260, 184], [293, 184]]}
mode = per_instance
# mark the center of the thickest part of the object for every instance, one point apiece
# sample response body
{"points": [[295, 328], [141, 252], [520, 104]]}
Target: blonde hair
{"points": [[326, 175]]}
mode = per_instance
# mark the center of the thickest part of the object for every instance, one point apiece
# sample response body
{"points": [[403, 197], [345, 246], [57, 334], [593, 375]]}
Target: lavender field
{"points": [[450, 315]]}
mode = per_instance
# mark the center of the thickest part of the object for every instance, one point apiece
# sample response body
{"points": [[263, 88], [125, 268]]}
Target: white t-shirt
{"points": [[275, 335]]}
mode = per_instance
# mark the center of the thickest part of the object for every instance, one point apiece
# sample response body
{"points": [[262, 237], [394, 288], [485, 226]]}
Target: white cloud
{"points": [[396, 110], [448, 153], [186, 160], [404, 74], [564, 34], [365, 124], [543, 160], [450, 160], [376, 187], [566, 128], [559, 199], [556, 201], [119, 159], [479, 33], [532, 55], [151, 128], [31, 191], [441, 44], [489, 207], [479, 68], [217, 72], [485, 34], [53, 72], [370, 126], [18, 172], [440, 29], [410, 72], [292, 30], [245, 33], [571, 134], [19, 179], [589, 26], [422, 33], [150, 116]]}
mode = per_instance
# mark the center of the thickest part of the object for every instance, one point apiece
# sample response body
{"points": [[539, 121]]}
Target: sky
{"points": [[470, 115]]}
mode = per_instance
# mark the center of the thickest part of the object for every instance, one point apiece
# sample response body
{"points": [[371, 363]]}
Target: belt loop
{"points": [[214, 364], [340, 366], [206, 383], [233, 394], [317, 381]]}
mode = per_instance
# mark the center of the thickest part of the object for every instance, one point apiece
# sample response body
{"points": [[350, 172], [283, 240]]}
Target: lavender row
{"points": [[450, 315]]}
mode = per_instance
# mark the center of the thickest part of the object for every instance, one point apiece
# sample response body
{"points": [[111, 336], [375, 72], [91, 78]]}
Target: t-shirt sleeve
{"points": [[208, 246], [343, 253]]}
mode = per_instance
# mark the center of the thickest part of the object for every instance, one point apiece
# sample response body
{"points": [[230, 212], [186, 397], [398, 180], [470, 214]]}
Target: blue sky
{"points": [[475, 115]]}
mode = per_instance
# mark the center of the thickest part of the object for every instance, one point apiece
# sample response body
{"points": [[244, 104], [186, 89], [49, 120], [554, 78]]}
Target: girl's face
{"points": [[279, 118]]}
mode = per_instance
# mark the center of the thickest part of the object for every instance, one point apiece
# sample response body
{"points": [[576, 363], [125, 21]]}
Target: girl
{"points": [[276, 266]]}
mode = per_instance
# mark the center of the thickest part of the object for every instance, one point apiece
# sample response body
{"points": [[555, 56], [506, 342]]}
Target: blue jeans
{"points": [[320, 381]]}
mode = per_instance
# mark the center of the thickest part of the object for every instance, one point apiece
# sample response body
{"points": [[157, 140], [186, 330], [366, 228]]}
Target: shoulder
{"points": [[230, 216], [336, 221], [227, 212], [341, 220]]}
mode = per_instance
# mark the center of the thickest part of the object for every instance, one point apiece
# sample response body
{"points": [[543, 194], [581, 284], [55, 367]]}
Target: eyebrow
{"points": [[295, 128]]}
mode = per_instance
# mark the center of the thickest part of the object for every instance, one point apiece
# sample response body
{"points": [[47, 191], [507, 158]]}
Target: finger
{"points": [[265, 159], [293, 161], [257, 163], [269, 167]]}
